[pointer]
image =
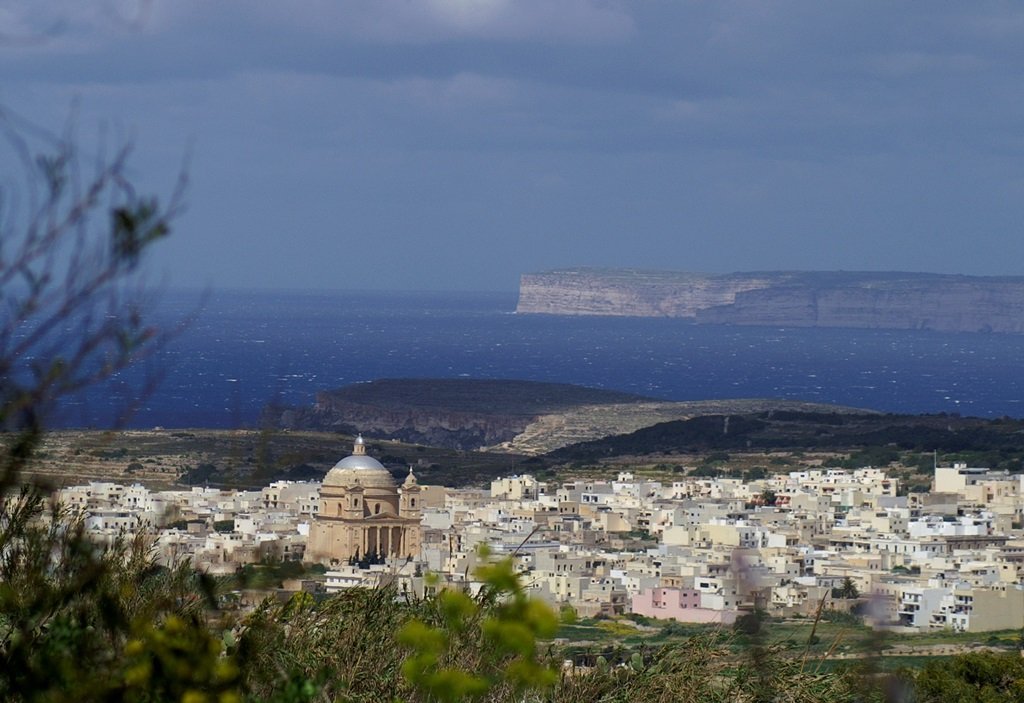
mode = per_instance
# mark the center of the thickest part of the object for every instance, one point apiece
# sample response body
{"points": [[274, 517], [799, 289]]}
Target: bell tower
{"points": [[409, 505]]}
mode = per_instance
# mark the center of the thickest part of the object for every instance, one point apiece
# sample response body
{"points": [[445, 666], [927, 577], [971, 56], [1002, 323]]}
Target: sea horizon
{"points": [[249, 347]]}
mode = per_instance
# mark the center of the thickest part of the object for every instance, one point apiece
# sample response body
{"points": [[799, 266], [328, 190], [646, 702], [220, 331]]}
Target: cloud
{"points": [[461, 91], [577, 21], [521, 118], [66, 25]]}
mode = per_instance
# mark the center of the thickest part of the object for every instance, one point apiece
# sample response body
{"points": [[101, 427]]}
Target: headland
{"points": [[866, 300]]}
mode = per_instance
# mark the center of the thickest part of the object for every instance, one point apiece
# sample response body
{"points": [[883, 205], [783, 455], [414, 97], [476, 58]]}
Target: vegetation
{"points": [[992, 678], [848, 589], [463, 395], [80, 623], [868, 439]]}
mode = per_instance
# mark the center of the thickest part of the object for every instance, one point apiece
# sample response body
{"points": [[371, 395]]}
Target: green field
{"points": [[833, 644]]}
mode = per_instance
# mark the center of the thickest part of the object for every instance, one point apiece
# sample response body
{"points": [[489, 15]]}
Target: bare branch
{"points": [[72, 310]]}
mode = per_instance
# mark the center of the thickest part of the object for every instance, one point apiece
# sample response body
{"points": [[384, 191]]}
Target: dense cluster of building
{"points": [[701, 550]]}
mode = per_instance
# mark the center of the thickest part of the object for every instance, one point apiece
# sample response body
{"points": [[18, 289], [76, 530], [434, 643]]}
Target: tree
{"points": [[847, 590], [976, 676], [71, 301], [756, 473]]}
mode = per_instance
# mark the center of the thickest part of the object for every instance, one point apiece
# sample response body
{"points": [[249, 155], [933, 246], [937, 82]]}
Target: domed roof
{"points": [[359, 461], [358, 469]]}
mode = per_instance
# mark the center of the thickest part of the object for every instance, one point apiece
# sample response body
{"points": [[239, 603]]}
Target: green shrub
{"points": [[83, 622], [977, 676]]}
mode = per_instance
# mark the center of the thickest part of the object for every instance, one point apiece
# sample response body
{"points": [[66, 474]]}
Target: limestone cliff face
{"points": [[456, 413], [973, 305], [630, 293], [786, 299], [418, 425]]}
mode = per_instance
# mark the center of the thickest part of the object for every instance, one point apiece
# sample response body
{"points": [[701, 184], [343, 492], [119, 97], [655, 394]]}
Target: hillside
{"points": [[864, 300], [163, 459], [590, 422], [769, 431], [458, 413], [245, 458], [522, 417]]}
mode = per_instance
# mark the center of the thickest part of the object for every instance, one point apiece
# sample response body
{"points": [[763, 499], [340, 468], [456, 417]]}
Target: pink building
{"points": [[680, 604]]}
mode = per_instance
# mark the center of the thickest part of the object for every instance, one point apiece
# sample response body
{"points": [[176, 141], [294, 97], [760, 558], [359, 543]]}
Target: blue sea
{"points": [[244, 349]]}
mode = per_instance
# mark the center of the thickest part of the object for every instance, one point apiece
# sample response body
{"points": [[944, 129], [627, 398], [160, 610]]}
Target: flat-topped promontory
{"points": [[857, 299], [525, 417]]}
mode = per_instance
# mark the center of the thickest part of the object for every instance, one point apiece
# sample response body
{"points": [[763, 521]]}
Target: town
{"points": [[696, 550]]}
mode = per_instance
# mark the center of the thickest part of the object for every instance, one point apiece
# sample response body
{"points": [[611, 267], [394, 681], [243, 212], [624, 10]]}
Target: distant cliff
{"points": [[871, 300]]}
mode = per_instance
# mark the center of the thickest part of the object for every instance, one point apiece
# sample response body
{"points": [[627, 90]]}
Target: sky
{"points": [[456, 144]]}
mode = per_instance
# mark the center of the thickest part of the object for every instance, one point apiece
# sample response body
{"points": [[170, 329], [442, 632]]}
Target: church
{"points": [[364, 513]]}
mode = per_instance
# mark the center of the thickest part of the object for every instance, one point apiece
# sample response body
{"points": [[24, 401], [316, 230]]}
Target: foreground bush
{"points": [[978, 676], [81, 622]]}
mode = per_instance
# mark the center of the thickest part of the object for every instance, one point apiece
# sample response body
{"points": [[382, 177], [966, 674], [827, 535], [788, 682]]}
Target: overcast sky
{"points": [[455, 144]]}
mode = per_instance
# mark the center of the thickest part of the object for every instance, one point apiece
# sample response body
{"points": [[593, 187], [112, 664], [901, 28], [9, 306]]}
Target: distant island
{"points": [[865, 300]]}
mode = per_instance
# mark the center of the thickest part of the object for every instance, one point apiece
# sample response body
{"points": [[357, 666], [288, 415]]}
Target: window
{"points": [[376, 509]]}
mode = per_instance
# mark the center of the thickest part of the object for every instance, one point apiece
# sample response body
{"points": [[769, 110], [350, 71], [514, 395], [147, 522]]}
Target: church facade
{"points": [[363, 513]]}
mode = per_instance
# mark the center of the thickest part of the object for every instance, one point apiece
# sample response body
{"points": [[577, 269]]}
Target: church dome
{"points": [[358, 469]]}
